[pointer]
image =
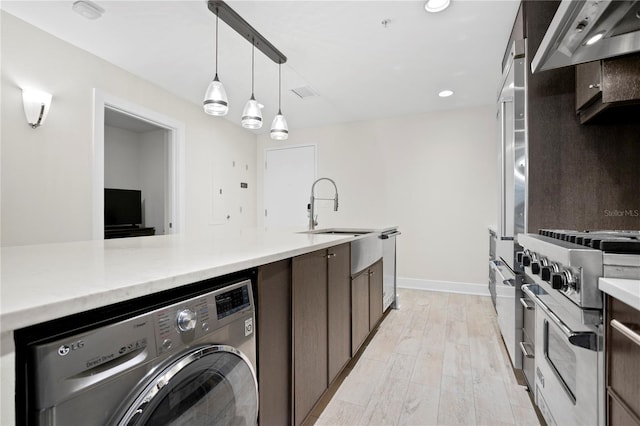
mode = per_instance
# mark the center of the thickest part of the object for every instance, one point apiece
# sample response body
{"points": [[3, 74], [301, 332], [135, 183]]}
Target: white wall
{"points": [[121, 158], [153, 177], [46, 173], [432, 174]]}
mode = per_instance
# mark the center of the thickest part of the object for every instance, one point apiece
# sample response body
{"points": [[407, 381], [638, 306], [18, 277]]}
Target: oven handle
{"points": [[583, 339], [626, 331], [510, 282], [524, 347]]}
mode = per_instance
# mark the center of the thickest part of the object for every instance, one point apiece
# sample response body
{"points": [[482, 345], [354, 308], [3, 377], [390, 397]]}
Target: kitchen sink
{"points": [[365, 250], [338, 232]]}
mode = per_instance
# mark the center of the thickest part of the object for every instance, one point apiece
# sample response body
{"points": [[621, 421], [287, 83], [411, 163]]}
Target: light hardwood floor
{"points": [[438, 360]]}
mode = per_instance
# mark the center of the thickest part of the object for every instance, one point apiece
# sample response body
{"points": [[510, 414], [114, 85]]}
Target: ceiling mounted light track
{"points": [[242, 27], [215, 102]]}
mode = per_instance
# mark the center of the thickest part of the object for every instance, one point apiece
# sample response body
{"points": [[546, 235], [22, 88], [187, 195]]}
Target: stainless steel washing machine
{"points": [[190, 362]]}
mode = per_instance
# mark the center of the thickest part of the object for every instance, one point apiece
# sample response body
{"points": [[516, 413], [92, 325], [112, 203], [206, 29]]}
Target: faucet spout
{"points": [[312, 217]]}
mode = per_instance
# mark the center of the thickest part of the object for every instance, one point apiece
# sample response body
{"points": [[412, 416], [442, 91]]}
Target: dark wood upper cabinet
{"points": [[601, 85], [588, 84], [339, 308]]}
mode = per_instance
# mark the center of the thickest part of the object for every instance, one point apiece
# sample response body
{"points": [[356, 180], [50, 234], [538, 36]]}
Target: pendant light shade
{"points": [[215, 98], [252, 115], [279, 128]]}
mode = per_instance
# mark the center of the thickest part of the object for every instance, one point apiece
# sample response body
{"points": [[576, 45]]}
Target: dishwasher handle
{"points": [[390, 235]]}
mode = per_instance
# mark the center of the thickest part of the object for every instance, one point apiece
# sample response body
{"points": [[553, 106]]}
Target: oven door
{"points": [[569, 366]]}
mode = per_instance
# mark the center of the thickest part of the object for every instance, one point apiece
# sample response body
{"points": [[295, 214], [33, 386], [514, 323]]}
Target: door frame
{"points": [[174, 198]]}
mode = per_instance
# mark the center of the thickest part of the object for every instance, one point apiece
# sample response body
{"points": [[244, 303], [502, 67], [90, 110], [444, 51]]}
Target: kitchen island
{"points": [[49, 281]]}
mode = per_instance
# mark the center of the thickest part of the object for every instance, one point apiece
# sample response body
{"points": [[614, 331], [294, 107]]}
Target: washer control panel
{"points": [[184, 322]]}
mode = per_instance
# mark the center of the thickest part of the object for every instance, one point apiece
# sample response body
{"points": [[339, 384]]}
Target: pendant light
{"points": [[279, 128], [251, 115], [215, 99]]}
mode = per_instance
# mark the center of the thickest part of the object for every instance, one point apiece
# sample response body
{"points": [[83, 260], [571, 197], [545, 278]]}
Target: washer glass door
{"points": [[213, 385]]}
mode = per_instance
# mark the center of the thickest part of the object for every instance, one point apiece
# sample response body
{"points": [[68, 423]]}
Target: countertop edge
{"points": [[625, 290], [21, 318]]}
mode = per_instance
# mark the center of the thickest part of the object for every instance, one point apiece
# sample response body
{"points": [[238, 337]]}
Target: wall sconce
{"points": [[36, 106]]}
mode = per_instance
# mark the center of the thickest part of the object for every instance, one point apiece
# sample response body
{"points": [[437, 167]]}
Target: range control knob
{"points": [[186, 320], [519, 256], [558, 280], [535, 267], [526, 260], [545, 273]]}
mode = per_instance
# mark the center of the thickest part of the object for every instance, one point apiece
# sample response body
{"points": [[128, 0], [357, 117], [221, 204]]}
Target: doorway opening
{"points": [[136, 149]]}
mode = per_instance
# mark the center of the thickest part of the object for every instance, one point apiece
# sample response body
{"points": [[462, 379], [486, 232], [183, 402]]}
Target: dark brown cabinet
{"points": [[321, 306], [339, 308], [623, 364], [309, 309], [309, 300], [366, 304], [588, 82], [375, 294], [274, 342], [601, 85], [359, 310]]}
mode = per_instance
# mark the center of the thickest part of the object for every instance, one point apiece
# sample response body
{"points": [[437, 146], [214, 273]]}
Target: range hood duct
{"points": [[576, 22]]}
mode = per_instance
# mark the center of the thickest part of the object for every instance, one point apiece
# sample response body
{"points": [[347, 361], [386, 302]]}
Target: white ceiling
{"points": [[360, 69]]}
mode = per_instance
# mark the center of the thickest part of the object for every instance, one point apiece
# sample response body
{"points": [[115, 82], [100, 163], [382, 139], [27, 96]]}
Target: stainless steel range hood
{"points": [[568, 40]]}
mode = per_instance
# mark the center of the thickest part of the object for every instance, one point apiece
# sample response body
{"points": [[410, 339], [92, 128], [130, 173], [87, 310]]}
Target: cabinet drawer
{"points": [[624, 354]]}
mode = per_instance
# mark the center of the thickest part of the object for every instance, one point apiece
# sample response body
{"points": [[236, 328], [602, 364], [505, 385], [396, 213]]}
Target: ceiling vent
{"points": [[304, 92]]}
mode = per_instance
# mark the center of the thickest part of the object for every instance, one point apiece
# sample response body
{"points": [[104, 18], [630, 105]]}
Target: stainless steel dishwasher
{"points": [[389, 276]]}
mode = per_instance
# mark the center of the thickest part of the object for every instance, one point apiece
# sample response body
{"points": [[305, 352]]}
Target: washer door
{"points": [[212, 385]]}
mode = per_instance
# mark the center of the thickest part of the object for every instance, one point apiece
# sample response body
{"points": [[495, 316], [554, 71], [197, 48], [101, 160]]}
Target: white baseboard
{"points": [[444, 286]]}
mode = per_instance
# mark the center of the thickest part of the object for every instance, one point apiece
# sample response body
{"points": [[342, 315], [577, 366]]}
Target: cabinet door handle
{"points": [[372, 273], [626, 331], [330, 255], [594, 86]]}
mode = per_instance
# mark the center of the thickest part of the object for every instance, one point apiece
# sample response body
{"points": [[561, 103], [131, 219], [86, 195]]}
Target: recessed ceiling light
{"points": [[434, 6], [445, 93], [87, 9]]}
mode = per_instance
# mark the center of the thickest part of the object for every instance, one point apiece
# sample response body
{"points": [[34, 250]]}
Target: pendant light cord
{"points": [[216, 41], [253, 55], [279, 87]]}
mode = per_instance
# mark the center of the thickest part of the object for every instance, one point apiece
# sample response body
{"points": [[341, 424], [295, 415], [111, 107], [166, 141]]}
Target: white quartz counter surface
{"points": [[626, 291], [44, 282]]}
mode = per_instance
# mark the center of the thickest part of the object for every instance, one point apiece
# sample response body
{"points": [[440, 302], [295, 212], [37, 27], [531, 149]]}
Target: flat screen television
{"points": [[122, 207]]}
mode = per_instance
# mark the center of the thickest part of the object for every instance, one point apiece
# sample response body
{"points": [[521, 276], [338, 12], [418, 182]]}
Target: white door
{"points": [[288, 176]]}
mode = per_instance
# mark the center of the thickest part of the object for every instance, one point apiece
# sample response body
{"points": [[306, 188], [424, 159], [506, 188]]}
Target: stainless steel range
{"points": [[562, 268]]}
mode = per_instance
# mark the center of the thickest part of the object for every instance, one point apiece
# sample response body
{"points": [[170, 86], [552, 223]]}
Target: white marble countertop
{"points": [[44, 282], [627, 291]]}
